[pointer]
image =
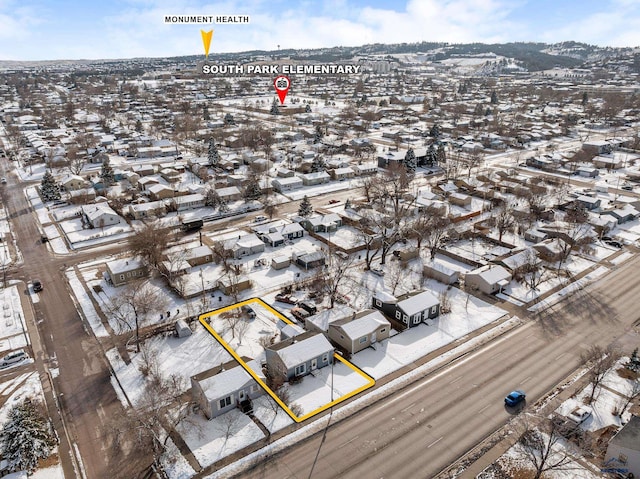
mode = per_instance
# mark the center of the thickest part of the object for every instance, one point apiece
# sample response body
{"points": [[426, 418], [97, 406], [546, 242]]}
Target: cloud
{"points": [[137, 28]]}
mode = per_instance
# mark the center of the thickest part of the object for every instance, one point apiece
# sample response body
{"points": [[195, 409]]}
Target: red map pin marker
{"points": [[282, 84]]}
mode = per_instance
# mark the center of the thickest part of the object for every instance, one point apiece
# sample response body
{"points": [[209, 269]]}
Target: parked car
{"points": [[333, 202], [579, 415], [37, 286], [248, 310], [514, 398], [285, 298], [260, 219], [12, 358], [614, 243], [377, 271]]}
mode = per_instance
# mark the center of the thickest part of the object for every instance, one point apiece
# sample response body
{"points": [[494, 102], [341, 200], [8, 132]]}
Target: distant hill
{"points": [[529, 55]]}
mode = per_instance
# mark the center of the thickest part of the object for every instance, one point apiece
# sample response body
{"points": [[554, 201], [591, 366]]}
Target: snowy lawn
{"points": [[212, 440], [12, 327], [414, 343], [174, 464], [269, 413], [315, 389], [86, 305]]}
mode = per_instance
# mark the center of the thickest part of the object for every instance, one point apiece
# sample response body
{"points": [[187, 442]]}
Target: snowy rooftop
{"points": [[363, 325], [303, 349], [418, 302]]}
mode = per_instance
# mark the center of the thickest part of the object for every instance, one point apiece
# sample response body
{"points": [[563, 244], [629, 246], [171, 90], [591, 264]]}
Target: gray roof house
{"points": [[100, 215], [623, 451], [360, 331], [225, 387], [298, 356], [410, 309], [489, 279]]}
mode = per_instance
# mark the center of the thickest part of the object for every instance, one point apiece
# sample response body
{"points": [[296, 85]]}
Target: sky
{"points": [[81, 29]]}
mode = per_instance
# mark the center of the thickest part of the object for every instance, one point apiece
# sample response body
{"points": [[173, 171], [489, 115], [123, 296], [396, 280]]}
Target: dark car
{"points": [[37, 286], [514, 398]]}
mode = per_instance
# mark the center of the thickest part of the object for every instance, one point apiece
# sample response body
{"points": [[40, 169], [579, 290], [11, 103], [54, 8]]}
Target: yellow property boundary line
{"points": [[370, 381]]}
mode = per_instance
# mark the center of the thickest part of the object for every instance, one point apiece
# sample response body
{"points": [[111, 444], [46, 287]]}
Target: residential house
{"points": [[225, 387], [121, 271], [316, 178], [198, 255], [341, 174], [624, 214], [72, 182], [151, 209], [159, 192], [365, 169], [440, 272], [282, 185], [146, 181], [588, 202], [411, 309], [488, 279], [186, 202], [360, 331], [100, 215], [229, 194], [623, 450], [298, 356], [321, 223], [310, 260]]}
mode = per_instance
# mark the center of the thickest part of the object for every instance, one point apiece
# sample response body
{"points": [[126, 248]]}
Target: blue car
{"points": [[514, 398]]}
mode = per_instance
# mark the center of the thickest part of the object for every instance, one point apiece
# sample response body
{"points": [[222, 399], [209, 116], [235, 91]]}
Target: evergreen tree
{"points": [[307, 109], [435, 131], [305, 209], [274, 108], [211, 198], [487, 112], [106, 173], [49, 188], [317, 137], [26, 437], [205, 113], [441, 156], [410, 160], [494, 98], [223, 207], [585, 98], [252, 190], [634, 361], [229, 120], [347, 204], [432, 156], [477, 110], [138, 126], [212, 154], [318, 164]]}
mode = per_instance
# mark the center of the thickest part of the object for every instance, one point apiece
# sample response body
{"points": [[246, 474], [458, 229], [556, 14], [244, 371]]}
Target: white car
{"points": [[12, 358], [579, 415]]}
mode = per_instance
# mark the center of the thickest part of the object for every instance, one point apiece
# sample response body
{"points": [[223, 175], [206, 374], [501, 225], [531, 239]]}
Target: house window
{"points": [[378, 303], [383, 330], [325, 358], [122, 277], [398, 314], [341, 336], [225, 402], [405, 318], [416, 319], [362, 340], [300, 369], [254, 388], [434, 309]]}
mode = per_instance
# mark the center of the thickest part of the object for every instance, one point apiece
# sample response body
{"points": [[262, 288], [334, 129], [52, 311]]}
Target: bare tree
{"points": [[532, 271], [333, 276], [435, 230], [504, 219], [134, 304], [631, 395], [149, 242], [599, 360], [543, 447], [157, 412]]}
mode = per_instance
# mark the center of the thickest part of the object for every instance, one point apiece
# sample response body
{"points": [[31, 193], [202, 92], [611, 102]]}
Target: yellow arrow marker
{"points": [[206, 41]]}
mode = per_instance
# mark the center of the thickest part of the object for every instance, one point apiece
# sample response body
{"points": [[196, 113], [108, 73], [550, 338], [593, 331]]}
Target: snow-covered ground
{"points": [[83, 300], [12, 327], [212, 440], [414, 343], [174, 463]]}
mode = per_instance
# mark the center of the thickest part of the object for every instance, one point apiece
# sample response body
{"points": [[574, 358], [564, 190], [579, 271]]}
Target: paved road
{"points": [[422, 429], [83, 387]]}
